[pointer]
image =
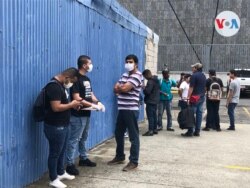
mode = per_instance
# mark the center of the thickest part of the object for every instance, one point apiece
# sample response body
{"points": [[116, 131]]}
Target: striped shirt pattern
{"points": [[130, 100]]}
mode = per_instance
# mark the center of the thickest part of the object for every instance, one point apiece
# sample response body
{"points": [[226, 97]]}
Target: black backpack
{"points": [[186, 118], [39, 107]]}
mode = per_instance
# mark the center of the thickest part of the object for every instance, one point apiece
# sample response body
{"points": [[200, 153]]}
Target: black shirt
{"points": [[152, 91], [198, 82], [211, 80], [56, 92], [83, 87]]}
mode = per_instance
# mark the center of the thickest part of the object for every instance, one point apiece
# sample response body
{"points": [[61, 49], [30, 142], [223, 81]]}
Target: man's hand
{"points": [[101, 106], [98, 108], [163, 93], [75, 104], [117, 88]]}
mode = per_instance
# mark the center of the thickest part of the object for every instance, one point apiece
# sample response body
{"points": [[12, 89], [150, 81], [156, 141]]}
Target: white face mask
{"points": [[90, 68], [68, 85], [129, 66]]}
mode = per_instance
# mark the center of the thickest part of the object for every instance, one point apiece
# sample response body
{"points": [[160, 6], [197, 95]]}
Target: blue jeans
{"points": [[127, 119], [152, 116], [198, 110], [230, 111], [79, 128], [161, 107], [57, 137]]}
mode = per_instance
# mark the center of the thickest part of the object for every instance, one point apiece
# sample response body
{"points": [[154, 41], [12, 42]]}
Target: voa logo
{"points": [[227, 23]]}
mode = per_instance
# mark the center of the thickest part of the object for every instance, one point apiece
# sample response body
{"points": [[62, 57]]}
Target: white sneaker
{"points": [[66, 176], [126, 134], [57, 184]]}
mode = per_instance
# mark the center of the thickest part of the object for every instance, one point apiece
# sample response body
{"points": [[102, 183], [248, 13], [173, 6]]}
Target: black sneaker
{"points": [[155, 132], [196, 134], [72, 170], [149, 133], [206, 129], [170, 129], [231, 129], [159, 128], [87, 162], [218, 129], [187, 134], [116, 161]]}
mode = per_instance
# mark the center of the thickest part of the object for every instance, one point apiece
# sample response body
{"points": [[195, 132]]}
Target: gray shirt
{"points": [[235, 87]]}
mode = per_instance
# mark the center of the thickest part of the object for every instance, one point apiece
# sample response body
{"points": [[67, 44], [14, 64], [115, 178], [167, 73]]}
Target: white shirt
{"points": [[185, 87]]}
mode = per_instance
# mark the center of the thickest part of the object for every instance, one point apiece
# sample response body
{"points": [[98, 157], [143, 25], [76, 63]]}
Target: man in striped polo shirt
{"points": [[128, 90]]}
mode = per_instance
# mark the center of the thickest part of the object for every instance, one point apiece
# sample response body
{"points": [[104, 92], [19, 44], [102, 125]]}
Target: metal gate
{"points": [[221, 57]]}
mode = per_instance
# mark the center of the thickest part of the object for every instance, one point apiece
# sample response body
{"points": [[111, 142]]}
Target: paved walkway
{"points": [[168, 160]]}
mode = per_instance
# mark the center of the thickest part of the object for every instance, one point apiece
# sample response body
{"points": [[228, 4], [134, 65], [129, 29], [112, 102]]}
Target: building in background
{"points": [[197, 18]]}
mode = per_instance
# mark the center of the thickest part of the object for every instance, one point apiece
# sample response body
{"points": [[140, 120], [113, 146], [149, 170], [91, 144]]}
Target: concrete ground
{"points": [[216, 159], [168, 160]]}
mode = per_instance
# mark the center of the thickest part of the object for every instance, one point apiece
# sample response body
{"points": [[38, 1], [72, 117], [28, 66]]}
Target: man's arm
{"points": [[229, 96], [173, 83], [190, 91], [124, 88], [149, 87], [180, 90], [57, 106], [94, 99], [54, 96], [76, 96], [116, 90]]}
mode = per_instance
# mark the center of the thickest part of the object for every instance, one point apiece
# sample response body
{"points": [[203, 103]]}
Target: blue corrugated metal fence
{"points": [[40, 38]]}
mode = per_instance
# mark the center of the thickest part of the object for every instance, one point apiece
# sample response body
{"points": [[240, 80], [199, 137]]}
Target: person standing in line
{"points": [[80, 119], [56, 123], [196, 97], [128, 90], [183, 92], [233, 98], [166, 97], [151, 99], [214, 88], [180, 80]]}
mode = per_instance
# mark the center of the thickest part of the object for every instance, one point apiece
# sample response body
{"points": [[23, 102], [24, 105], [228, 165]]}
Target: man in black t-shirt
{"points": [[56, 123], [79, 121], [213, 105]]}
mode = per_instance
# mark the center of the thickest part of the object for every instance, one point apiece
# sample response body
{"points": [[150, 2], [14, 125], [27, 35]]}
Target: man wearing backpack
{"points": [[165, 99], [214, 87], [56, 123]]}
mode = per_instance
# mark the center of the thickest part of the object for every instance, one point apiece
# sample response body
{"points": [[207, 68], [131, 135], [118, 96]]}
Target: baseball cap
{"points": [[197, 65]]}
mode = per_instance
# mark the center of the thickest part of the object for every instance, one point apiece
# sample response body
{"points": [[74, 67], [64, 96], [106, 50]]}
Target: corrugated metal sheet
{"points": [[38, 39]]}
